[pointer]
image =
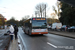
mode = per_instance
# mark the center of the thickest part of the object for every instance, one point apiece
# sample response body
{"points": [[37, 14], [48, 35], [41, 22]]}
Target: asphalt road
{"points": [[47, 42]]}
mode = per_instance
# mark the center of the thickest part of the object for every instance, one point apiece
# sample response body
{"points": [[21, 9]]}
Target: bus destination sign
{"points": [[39, 19]]}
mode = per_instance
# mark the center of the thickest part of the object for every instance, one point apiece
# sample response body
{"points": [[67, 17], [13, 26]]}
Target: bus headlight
{"points": [[46, 30]]}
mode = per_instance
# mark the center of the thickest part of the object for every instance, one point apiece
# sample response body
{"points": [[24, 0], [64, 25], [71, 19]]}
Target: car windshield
{"points": [[72, 27], [64, 26]]}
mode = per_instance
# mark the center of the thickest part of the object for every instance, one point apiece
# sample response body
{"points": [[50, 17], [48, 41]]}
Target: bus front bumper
{"points": [[39, 33]]}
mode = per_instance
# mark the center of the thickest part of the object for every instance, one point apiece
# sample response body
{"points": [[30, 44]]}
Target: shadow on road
{"points": [[41, 35]]}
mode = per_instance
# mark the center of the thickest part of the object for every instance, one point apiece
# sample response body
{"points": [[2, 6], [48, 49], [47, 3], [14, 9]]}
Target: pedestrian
{"points": [[11, 29], [15, 31]]}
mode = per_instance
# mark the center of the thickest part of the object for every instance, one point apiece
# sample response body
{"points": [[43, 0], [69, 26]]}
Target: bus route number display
{"points": [[38, 18]]}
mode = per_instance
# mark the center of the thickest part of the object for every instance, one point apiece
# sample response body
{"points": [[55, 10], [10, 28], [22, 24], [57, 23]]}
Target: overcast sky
{"points": [[20, 8]]}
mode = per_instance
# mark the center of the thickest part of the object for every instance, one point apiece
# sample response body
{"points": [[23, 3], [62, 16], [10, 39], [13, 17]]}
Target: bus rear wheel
{"points": [[28, 32]]}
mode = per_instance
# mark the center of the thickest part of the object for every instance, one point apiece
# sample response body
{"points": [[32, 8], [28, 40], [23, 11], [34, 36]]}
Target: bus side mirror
{"points": [[45, 23], [30, 21]]}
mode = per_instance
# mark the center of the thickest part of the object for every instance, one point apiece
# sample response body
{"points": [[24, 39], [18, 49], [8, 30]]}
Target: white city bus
{"points": [[35, 26]]}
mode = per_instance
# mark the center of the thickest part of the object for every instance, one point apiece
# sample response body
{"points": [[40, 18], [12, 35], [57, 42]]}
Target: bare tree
{"points": [[53, 16], [2, 19], [41, 9], [57, 11], [26, 17]]}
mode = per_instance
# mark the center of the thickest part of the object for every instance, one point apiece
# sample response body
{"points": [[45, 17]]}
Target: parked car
{"points": [[65, 27], [72, 28]]}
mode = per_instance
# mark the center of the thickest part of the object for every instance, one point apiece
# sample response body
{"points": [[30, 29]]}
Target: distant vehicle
{"points": [[71, 29], [64, 28], [35, 26], [56, 26], [49, 26]]}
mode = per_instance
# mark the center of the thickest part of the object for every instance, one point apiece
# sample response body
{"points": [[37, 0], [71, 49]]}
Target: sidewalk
{"points": [[13, 45], [62, 33]]}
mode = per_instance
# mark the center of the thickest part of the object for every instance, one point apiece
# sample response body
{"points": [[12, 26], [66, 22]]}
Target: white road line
{"points": [[51, 45]]}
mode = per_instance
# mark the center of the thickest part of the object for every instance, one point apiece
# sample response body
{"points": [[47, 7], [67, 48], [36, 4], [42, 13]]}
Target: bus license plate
{"points": [[38, 30], [39, 33]]}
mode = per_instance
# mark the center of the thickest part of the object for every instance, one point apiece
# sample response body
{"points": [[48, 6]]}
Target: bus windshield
{"points": [[39, 24]]}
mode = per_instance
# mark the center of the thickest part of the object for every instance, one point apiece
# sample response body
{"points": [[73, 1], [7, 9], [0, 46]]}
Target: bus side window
{"points": [[29, 24], [26, 24]]}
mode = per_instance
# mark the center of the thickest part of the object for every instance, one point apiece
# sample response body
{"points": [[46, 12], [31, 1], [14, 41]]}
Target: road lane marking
{"points": [[51, 45], [65, 47]]}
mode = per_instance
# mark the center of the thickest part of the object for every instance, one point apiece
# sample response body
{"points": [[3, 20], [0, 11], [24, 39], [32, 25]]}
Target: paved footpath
{"points": [[13, 45], [62, 33]]}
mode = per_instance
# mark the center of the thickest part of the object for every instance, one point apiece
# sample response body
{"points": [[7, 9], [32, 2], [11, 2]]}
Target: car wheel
{"points": [[73, 30]]}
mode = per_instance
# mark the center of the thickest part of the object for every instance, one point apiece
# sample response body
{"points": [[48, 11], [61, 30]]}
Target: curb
{"points": [[62, 35]]}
